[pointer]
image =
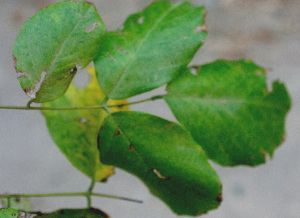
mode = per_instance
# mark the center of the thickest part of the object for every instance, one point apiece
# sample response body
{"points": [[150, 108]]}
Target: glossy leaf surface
{"points": [[75, 213], [153, 45], [75, 131], [229, 111], [51, 43], [165, 157]]}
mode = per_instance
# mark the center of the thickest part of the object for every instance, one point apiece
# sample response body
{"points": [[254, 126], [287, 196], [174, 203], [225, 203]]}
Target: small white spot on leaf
{"points": [[91, 27], [141, 20], [194, 71], [83, 120]]}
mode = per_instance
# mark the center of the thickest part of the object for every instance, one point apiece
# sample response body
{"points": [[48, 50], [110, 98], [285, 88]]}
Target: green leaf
{"points": [[229, 111], [51, 43], [153, 45], [75, 213], [9, 213], [165, 157], [75, 131], [22, 204]]}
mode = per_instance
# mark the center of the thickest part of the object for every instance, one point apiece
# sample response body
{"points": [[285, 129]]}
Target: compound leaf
{"points": [[75, 131], [75, 213], [51, 43], [229, 111], [153, 45], [164, 156]]}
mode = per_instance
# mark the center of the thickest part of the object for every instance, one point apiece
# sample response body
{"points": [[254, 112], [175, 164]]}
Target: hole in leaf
{"points": [[82, 78]]}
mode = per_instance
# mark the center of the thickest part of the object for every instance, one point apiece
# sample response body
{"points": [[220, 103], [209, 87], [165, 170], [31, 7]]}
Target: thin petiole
{"points": [[97, 107]]}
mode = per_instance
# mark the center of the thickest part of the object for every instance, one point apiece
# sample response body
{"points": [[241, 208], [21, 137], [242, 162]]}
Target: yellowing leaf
{"points": [[75, 131]]}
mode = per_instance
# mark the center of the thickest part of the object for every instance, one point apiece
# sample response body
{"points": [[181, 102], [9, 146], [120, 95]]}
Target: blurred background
{"points": [[266, 31]]}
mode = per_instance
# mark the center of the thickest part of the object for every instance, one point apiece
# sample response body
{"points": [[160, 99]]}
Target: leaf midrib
{"points": [[231, 100], [140, 45], [60, 49]]}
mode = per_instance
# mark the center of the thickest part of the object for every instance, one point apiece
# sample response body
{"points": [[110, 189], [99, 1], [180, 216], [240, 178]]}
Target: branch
{"points": [[97, 107], [68, 194]]}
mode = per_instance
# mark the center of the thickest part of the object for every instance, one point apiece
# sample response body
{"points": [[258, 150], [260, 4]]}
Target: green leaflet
{"points": [[51, 43], [9, 213], [150, 50], [229, 111], [165, 157], [75, 131], [20, 204], [76, 213]]}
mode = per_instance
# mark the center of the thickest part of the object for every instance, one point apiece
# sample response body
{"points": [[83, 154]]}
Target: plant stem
{"points": [[89, 194], [97, 107], [68, 194]]}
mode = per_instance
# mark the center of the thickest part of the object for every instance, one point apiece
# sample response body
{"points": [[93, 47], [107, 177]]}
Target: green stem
{"points": [[68, 194], [89, 194], [8, 202], [97, 107]]}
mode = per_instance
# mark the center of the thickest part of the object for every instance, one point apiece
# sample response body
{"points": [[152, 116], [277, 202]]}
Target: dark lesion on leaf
{"points": [[98, 139], [131, 147], [219, 198], [158, 174], [117, 133], [19, 73], [102, 128]]}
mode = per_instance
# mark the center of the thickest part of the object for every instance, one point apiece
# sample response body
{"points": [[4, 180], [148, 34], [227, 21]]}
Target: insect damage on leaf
{"points": [[157, 173], [32, 92], [201, 28], [91, 27]]}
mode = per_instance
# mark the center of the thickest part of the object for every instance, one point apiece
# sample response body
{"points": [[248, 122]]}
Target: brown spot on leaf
{"points": [[201, 28], [102, 128], [131, 148], [252, 157], [219, 198], [73, 70], [15, 61], [157, 173], [117, 133], [99, 212], [257, 73], [19, 73], [264, 152], [171, 124]]}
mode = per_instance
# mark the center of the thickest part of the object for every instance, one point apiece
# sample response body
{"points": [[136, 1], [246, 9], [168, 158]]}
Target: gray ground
{"points": [[266, 31]]}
